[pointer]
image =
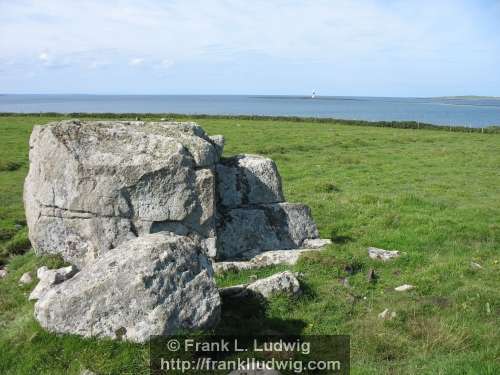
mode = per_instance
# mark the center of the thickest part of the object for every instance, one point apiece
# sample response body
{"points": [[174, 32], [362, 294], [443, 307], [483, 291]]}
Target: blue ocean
{"points": [[452, 111]]}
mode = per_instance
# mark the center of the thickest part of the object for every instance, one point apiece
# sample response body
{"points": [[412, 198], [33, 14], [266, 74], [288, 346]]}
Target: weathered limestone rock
{"points": [[49, 278], [94, 185], [264, 227], [156, 284], [139, 208], [218, 141], [3, 273], [248, 180], [381, 254], [280, 283]]}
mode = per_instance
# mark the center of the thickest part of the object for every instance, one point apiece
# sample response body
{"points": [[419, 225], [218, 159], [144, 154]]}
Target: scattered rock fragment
{"points": [[280, 283], [3, 273], [49, 278], [87, 372], [387, 314], [381, 254], [476, 266], [25, 278], [404, 288]]}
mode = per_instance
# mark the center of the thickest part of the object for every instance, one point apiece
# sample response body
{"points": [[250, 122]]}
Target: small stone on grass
{"points": [[404, 288], [476, 266], [381, 254], [25, 278], [387, 314]]}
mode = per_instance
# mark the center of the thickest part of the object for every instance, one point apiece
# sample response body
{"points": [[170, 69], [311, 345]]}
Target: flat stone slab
{"points": [[267, 258]]}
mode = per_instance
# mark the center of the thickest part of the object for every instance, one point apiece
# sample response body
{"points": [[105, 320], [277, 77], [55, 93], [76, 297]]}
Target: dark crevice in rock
{"points": [[133, 229]]}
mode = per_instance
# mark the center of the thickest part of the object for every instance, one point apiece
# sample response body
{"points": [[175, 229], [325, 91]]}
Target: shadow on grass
{"points": [[340, 239], [247, 316]]}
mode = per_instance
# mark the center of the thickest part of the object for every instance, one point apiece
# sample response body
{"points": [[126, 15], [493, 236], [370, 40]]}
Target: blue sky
{"points": [[336, 47]]}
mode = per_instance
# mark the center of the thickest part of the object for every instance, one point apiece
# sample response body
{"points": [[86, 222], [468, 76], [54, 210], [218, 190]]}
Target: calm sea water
{"points": [[475, 112]]}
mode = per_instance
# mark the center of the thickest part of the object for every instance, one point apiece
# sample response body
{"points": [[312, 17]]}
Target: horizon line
{"points": [[264, 95]]}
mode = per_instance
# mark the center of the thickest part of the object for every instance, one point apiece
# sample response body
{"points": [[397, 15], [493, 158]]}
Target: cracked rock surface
{"points": [[156, 284], [94, 185], [252, 214]]}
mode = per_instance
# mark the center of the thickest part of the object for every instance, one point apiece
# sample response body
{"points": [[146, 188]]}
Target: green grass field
{"points": [[434, 195]]}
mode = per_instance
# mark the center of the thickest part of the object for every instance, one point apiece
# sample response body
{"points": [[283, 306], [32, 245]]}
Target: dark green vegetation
{"points": [[434, 195]]}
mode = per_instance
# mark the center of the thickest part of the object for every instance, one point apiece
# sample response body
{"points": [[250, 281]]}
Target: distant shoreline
{"points": [[416, 125]]}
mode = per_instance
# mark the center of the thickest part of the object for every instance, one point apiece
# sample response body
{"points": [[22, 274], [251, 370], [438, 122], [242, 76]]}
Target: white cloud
{"points": [[325, 30], [136, 61], [44, 57]]}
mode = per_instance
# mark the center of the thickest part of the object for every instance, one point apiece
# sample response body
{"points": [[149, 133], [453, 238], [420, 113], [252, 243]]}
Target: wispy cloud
{"points": [[136, 61], [44, 57], [348, 46]]}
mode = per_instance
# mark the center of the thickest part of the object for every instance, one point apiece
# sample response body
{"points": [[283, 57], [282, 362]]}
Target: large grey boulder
{"points": [[264, 227], [156, 284], [94, 185]]}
